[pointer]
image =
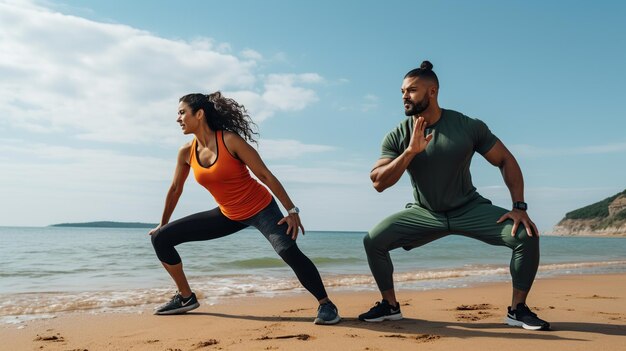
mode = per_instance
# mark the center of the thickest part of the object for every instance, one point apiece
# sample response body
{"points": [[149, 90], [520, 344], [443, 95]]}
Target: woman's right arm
{"points": [[176, 189]]}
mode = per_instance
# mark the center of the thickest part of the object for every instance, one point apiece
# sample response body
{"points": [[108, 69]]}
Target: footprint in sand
{"points": [[594, 296], [473, 316], [420, 338], [296, 310], [206, 343], [294, 336], [475, 307], [53, 338], [427, 338]]}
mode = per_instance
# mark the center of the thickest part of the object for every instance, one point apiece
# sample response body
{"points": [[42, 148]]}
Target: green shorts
{"points": [[416, 226]]}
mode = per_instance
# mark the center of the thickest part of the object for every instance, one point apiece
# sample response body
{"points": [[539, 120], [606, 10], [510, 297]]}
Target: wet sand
{"points": [[587, 312]]}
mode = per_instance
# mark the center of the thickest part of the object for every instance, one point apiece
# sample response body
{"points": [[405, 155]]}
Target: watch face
{"points": [[520, 205]]}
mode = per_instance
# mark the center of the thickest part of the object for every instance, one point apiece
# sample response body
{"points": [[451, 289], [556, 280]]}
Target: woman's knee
{"points": [[159, 241], [155, 239]]}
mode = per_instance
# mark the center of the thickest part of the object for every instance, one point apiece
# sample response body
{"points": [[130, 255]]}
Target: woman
{"points": [[220, 157]]}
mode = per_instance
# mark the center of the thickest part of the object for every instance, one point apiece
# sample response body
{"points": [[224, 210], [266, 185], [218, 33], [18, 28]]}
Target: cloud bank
{"points": [[114, 83]]}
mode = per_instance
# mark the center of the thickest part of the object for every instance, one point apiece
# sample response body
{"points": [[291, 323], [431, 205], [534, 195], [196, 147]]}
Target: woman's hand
{"points": [[293, 225], [154, 230]]}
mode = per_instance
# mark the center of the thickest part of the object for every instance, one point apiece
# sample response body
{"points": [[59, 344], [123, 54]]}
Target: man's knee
{"points": [[525, 242], [374, 241]]}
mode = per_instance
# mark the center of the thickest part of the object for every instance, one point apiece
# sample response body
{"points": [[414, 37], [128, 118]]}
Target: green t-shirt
{"points": [[441, 173]]}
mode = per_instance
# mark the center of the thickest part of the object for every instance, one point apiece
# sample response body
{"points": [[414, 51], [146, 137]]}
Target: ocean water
{"points": [[51, 270]]}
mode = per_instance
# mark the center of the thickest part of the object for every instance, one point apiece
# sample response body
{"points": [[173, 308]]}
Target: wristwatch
{"points": [[520, 205], [294, 210]]}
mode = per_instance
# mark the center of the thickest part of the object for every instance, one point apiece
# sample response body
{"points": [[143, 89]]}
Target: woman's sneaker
{"points": [[327, 314], [382, 311], [178, 305], [521, 316]]}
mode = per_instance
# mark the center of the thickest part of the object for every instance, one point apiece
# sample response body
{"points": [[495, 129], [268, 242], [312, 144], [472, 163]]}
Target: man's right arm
{"points": [[388, 171]]}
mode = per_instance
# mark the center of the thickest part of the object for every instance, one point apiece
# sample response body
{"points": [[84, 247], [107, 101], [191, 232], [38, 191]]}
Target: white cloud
{"points": [[114, 83], [281, 93], [321, 175], [288, 149], [251, 55]]}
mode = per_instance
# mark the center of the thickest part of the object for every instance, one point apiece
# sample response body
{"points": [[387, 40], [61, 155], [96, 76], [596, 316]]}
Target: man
{"points": [[435, 147]]}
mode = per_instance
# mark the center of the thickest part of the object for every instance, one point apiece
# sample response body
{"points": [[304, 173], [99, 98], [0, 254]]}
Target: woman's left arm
{"points": [[248, 155]]}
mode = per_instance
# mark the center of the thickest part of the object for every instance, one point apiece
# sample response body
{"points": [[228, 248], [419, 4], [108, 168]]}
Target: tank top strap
{"points": [[221, 145], [192, 151], [222, 149]]}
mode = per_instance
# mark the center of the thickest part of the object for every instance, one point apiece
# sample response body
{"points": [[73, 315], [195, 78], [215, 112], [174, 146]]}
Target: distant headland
{"points": [[106, 224], [603, 218]]}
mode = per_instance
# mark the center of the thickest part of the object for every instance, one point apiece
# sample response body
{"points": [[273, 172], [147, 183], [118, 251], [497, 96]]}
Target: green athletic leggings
{"points": [[416, 226]]}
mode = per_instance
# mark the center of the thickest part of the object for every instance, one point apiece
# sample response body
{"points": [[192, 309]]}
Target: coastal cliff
{"points": [[603, 218]]}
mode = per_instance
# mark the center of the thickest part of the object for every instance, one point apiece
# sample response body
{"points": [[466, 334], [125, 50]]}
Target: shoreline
{"points": [[581, 308], [17, 308]]}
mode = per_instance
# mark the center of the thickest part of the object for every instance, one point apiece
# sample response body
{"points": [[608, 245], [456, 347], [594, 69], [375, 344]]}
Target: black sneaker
{"points": [[327, 314], [521, 316], [178, 305], [382, 311]]}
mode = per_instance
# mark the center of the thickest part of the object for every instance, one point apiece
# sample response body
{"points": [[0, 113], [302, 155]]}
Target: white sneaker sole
{"points": [[179, 310], [515, 323], [320, 321], [393, 317]]}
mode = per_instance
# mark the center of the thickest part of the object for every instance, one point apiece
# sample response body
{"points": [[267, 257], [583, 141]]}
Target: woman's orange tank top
{"points": [[238, 195]]}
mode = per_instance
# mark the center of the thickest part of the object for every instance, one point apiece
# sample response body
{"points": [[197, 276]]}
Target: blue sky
{"points": [[89, 92]]}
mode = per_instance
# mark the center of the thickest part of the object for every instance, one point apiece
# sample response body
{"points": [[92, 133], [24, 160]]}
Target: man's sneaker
{"points": [[521, 316], [327, 314], [382, 311], [178, 305]]}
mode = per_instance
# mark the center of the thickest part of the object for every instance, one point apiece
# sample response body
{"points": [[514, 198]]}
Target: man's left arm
{"points": [[502, 158]]}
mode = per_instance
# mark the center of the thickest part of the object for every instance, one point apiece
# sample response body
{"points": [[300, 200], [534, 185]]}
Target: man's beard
{"points": [[416, 108]]}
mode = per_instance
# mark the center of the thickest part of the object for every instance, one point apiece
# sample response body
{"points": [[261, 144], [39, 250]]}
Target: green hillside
{"points": [[106, 224], [597, 210]]}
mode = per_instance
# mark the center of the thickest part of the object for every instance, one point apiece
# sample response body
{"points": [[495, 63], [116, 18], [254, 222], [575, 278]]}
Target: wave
{"points": [[264, 262], [271, 262]]}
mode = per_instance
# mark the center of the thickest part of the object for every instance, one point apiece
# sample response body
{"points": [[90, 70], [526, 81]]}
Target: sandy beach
{"points": [[587, 312]]}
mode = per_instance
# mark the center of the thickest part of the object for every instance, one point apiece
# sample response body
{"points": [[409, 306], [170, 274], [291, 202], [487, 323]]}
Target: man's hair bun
{"points": [[426, 65], [424, 72]]}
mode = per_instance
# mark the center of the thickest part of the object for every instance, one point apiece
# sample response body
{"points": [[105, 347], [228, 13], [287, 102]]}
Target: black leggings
{"points": [[213, 224]]}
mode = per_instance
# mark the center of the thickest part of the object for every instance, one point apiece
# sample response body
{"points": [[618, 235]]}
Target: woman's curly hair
{"points": [[223, 113]]}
